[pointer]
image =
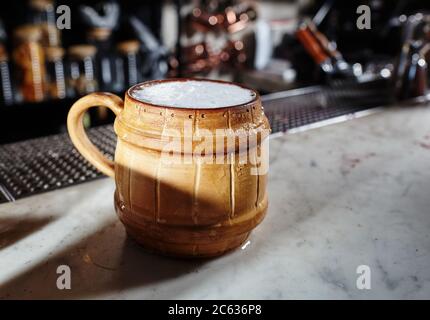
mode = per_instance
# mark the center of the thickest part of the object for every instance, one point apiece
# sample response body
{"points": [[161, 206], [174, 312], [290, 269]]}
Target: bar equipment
{"points": [[220, 16], [323, 51], [411, 74], [212, 41]]}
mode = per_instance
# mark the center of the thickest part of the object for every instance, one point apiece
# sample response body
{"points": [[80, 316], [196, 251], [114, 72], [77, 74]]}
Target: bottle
{"points": [[55, 78], [130, 63], [6, 90], [105, 58], [29, 59], [42, 15], [81, 78]]}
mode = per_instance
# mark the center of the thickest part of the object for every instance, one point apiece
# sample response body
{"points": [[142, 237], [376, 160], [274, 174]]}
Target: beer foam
{"points": [[193, 94]]}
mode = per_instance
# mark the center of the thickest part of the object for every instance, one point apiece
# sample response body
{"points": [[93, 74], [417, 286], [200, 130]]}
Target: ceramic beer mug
{"points": [[183, 186]]}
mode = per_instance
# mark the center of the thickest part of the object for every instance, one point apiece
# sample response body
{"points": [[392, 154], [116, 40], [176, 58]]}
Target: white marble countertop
{"points": [[350, 194]]}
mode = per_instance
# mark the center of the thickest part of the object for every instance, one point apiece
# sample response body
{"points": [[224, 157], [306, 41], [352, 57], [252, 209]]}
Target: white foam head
{"points": [[193, 94]]}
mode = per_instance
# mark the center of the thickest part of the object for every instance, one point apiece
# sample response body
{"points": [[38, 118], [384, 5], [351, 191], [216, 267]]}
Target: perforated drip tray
{"points": [[50, 163], [295, 110]]}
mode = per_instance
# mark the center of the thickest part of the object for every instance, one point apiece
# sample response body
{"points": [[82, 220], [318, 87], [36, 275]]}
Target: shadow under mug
{"points": [[180, 207]]}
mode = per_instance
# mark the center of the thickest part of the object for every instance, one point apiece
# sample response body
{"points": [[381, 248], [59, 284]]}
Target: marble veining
{"points": [[355, 193]]}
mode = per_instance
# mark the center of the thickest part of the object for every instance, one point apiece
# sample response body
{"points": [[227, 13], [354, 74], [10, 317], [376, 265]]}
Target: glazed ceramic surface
{"points": [[181, 205]]}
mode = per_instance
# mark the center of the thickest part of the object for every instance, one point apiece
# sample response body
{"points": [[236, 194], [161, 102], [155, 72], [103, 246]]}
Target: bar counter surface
{"points": [[341, 196]]}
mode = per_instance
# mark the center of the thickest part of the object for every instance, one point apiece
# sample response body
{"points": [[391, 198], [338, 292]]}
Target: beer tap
{"points": [[411, 76], [323, 51]]}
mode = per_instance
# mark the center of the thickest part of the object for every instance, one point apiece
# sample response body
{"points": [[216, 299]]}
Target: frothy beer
{"points": [[198, 208], [191, 94]]}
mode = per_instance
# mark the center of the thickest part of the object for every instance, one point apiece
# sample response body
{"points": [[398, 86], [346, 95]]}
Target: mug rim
{"points": [[152, 82]]}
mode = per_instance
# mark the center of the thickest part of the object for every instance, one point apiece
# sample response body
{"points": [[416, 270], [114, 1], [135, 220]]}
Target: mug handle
{"points": [[77, 131]]}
